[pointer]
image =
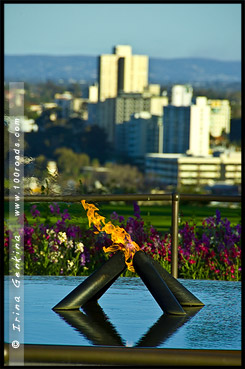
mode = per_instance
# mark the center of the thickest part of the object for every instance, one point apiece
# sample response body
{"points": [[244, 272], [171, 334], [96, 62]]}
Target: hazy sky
{"points": [[156, 30]]}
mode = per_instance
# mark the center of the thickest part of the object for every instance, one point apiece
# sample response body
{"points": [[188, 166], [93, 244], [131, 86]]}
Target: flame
{"points": [[121, 239]]}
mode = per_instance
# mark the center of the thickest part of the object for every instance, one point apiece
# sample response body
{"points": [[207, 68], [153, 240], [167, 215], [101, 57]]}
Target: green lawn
{"points": [[158, 215]]}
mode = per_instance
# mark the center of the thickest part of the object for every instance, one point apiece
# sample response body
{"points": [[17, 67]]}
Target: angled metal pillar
{"points": [[182, 294], [174, 247], [156, 285], [95, 285]]}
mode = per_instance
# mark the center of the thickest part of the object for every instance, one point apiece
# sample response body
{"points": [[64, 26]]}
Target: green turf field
{"points": [[157, 215]]}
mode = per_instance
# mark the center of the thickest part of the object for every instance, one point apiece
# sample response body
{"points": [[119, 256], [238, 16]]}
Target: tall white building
{"points": [[220, 117], [199, 127], [181, 95], [122, 72], [186, 128], [108, 76]]}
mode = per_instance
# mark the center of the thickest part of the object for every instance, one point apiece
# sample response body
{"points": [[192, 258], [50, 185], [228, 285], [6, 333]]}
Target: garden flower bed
{"points": [[212, 251]]}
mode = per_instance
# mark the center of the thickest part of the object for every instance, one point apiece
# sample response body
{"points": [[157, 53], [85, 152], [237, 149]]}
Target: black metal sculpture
{"points": [[168, 292]]}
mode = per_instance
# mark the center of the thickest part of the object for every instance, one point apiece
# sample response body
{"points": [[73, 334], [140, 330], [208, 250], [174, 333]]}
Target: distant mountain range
{"points": [[33, 68]]}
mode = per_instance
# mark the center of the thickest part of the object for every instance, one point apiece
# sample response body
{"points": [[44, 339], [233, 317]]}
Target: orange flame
{"points": [[120, 238]]}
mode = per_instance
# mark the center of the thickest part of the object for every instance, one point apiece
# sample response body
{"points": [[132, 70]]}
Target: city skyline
{"points": [[157, 30]]}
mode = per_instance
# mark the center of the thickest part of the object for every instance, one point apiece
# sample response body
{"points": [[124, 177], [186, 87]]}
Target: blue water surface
{"points": [[128, 315]]}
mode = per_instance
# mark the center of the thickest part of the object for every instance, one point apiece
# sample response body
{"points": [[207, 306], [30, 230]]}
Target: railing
{"points": [[173, 197]]}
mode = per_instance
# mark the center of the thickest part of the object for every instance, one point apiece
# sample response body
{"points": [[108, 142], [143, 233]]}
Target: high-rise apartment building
{"points": [[119, 110], [186, 128], [108, 76], [220, 117], [140, 135], [128, 104], [122, 72], [176, 129], [105, 117], [200, 127]]}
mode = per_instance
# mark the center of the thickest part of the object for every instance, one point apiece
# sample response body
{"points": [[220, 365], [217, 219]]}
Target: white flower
{"points": [[79, 247], [54, 258], [70, 264], [70, 244], [62, 237]]}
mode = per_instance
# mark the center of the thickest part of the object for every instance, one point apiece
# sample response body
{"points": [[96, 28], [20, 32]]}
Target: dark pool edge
{"points": [[80, 355]]}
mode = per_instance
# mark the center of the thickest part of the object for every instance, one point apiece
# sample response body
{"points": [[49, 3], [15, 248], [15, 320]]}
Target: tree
{"points": [[93, 141], [69, 163], [75, 89], [40, 167], [123, 178]]}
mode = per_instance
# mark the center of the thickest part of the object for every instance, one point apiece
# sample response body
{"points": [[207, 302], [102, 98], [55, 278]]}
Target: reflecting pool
{"points": [[127, 315]]}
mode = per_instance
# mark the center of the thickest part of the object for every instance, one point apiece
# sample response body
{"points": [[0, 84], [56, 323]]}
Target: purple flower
{"points": [[114, 216], [60, 224], [22, 219], [218, 216], [220, 247], [136, 210], [205, 239], [238, 229], [65, 215], [43, 228], [54, 208], [34, 212], [73, 231], [83, 259]]}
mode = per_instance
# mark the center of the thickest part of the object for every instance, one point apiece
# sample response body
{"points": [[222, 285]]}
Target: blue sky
{"points": [[156, 30]]}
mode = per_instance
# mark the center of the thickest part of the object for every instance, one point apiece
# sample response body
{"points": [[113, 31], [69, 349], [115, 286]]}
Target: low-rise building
{"points": [[79, 107], [48, 106], [26, 125], [36, 108], [183, 170], [65, 102], [93, 93]]}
